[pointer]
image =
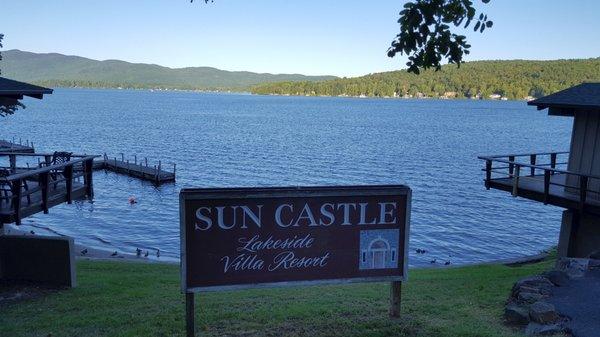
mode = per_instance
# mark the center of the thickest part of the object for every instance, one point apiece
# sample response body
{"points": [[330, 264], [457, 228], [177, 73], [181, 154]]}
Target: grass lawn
{"points": [[135, 299]]}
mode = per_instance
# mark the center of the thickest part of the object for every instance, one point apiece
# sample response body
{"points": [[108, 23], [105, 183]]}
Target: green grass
{"points": [[134, 299]]}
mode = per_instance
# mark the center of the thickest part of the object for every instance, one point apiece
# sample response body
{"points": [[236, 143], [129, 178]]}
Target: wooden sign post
{"points": [[237, 238]]}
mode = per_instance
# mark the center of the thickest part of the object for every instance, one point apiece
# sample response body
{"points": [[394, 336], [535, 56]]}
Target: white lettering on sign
{"points": [[254, 244], [205, 217], [287, 259], [286, 215]]}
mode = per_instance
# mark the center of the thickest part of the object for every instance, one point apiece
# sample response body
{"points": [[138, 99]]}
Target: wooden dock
{"points": [[6, 146], [141, 170]]}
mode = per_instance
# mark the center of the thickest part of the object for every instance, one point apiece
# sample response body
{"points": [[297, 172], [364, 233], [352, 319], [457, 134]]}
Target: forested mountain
{"points": [[515, 79], [62, 70]]}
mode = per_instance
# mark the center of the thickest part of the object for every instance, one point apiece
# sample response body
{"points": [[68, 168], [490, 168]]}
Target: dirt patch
{"points": [[11, 293]]}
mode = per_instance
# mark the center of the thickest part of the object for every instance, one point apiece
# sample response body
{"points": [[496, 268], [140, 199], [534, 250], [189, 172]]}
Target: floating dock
{"points": [[140, 170], [6, 146]]}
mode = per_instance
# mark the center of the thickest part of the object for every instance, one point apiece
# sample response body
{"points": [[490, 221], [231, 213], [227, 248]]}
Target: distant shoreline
{"points": [[247, 92]]}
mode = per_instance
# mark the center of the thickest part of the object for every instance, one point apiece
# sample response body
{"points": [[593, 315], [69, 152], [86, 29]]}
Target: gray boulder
{"points": [[543, 312], [530, 297], [536, 329], [533, 284], [558, 277], [516, 314], [574, 267]]}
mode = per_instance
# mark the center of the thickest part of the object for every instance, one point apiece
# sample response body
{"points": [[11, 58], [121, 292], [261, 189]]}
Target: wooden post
{"points": [[68, 172], [13, 163], [45, 186], [395, 298], [135, 159], [174, 168], [511, 166], [16, 195], [515, 190], [576, 218], [122, 156], [146, 159], [488, 173], [189, 314], [546, 186], [532, 160], [552, 161], [88, 178]]}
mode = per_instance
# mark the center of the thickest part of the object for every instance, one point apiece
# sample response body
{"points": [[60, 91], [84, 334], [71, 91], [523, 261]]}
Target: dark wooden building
{"points": [[12, 91], [570, 180]]}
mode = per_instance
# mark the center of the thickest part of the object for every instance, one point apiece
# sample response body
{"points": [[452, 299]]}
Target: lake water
{"points": [[244, 140]]}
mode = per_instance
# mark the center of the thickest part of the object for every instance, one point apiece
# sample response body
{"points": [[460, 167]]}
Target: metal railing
{"points": [[546, 164], [48, 176]]}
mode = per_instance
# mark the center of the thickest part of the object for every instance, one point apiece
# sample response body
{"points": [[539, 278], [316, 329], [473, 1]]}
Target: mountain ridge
{"points": [[55, 69]]}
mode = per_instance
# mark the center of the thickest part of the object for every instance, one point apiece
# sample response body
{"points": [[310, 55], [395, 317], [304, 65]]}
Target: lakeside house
{"points": [[570, 180]]}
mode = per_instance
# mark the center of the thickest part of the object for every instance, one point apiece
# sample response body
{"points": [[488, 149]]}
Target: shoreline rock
{"points": [[527, 305]]}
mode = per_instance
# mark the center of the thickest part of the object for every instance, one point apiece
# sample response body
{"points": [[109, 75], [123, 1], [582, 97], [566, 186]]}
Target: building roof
{"points": [[16, 90], [582, 96]]}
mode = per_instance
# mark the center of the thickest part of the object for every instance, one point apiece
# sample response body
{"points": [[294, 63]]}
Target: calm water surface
{"points": [[242, 140]]}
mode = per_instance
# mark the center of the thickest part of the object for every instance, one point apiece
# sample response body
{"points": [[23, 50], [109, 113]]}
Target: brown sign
{"points": [[248, 237]]}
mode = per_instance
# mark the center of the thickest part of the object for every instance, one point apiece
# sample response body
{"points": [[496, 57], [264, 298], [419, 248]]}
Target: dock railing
{"points": [[47, 178], [536, 165]]}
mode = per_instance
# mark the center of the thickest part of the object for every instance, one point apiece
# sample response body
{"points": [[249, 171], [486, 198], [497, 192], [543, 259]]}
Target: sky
{"points": [[313, 37]]}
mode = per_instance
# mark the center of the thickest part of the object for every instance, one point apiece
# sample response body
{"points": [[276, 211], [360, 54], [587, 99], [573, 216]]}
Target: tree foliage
{"points": [[427, 37], [8, 106], [512, 79]]}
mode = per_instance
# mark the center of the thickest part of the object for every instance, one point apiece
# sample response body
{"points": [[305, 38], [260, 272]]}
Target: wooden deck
{"points": [[524, 180], [138, 170], [28, 190], [57, 195]]}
